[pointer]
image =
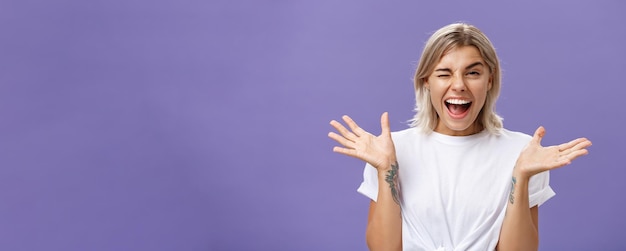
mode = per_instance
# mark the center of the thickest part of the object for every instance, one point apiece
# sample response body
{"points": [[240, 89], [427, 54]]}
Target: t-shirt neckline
{"points": [[458, 140]]}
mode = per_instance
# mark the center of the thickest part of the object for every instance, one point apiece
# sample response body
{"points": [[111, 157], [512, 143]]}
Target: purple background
{"points": [[201, 125]]}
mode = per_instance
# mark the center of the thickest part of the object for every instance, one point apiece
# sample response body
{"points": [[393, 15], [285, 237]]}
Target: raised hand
{"points": [[378, 151], [536, 158]]}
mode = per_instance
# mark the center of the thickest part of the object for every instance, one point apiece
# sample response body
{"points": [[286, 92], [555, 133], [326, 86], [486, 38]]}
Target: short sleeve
{"points": [[539, 189], [369, 186]]}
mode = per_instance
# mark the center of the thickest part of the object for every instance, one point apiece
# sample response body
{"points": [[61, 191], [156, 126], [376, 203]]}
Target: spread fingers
{"points": [[343, 130], [341, 140]]}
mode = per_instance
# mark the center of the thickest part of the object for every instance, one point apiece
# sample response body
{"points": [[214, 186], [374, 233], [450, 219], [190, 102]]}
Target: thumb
{"points": [[539, 133], [384, 123]]}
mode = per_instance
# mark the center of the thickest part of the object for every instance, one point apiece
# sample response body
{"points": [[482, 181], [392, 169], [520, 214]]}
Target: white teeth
{"points": [[457, 101]]}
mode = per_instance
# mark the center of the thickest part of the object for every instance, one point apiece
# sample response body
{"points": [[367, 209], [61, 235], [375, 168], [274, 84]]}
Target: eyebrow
{"points": [[466, 68]]}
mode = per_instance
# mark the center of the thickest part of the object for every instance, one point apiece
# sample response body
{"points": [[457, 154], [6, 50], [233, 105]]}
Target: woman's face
{"points": [[458, 88]]}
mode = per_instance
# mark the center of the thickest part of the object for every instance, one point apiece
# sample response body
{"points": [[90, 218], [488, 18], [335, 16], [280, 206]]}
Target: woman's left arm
{"points": [[520, 227]]}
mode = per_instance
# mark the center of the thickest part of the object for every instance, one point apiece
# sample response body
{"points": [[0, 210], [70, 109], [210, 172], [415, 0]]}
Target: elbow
{"points": [[517, 248], [377, 241], [515, 245]]}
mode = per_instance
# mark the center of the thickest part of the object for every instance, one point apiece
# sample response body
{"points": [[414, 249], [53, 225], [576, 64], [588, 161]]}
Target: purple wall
{"points": [[201, 125]]}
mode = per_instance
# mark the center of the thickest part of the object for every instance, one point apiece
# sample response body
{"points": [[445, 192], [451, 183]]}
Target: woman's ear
{"points": [[490, 82]]}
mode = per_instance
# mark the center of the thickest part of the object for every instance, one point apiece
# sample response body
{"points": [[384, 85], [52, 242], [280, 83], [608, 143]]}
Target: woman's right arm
{"points": [[384, 221], [384, 225]]}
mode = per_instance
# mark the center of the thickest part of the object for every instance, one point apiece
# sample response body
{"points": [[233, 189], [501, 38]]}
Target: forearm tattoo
{"points": [[392, 180], [511, 195]]}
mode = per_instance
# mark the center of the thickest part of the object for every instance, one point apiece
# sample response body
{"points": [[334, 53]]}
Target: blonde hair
{"points": [[442, 41]]}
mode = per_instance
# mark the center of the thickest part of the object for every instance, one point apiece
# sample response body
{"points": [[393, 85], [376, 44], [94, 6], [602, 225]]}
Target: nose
{"points": [[457, 83]]}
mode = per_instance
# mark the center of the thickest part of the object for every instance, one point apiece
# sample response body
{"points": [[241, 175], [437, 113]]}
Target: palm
{"points": [[379, 150], [536, 158]]}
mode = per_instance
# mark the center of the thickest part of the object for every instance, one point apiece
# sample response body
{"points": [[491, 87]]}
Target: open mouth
{"points": [[458, 107]]}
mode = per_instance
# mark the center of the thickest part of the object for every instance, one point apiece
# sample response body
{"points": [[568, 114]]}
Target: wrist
{"points": [[387, 165], [520, 174]]}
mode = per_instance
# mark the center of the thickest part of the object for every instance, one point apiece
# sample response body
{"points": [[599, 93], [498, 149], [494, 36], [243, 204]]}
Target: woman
{"points": [[455, 180]]}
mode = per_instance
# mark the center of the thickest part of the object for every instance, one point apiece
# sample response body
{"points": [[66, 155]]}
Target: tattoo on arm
{"points": [[392, 180], [511, 197]]}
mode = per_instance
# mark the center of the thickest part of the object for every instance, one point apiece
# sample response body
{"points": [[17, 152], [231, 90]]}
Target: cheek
{"points": [[482, 98], [435, 100], [434, 96], [481, 89]]}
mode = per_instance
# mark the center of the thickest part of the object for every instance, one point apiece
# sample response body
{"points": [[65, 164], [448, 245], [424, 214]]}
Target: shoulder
{"points": [[406, 139], [512, 138], [409, 134]]}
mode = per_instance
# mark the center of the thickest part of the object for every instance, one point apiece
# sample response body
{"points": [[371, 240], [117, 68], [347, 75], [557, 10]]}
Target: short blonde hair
{"points": [[442, 41]]}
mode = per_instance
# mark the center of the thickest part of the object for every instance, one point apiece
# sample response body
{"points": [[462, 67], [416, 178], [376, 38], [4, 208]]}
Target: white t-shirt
{"points": [[455, 188]]}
